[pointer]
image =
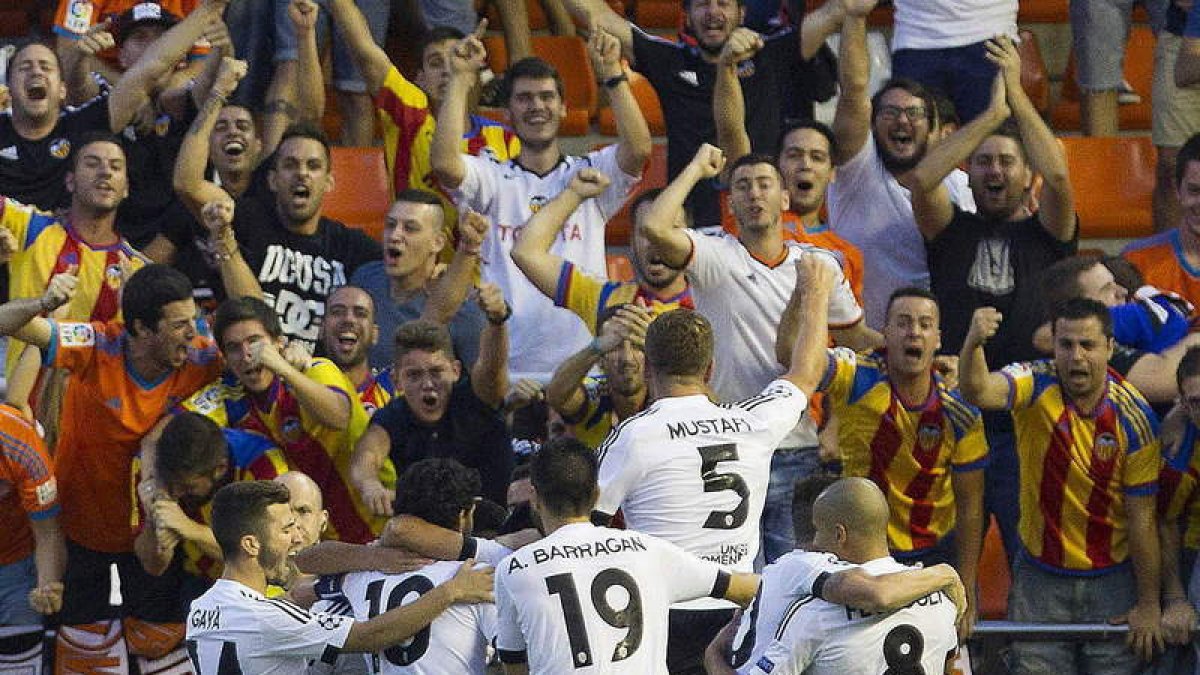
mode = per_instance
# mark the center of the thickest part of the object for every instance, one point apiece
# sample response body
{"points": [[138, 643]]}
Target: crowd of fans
{"points": [[182, 316]]}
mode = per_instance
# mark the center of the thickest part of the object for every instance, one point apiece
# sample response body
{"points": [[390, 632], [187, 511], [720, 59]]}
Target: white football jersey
{"points": [[233, 628], [455, 642], [695, 473], [820, 638], [744, 298], [590, 599], [540, 336]]}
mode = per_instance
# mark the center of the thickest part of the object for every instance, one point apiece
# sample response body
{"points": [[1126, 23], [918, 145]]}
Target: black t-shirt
{"points": [[33, 171], [469, 432], [684, 82], [150, 165], [297, 272], [979, 263]]}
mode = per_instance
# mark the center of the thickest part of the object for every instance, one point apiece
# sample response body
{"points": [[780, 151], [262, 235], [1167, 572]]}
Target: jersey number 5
{"points": [[563, 585], [710, 456], [401, 654]]}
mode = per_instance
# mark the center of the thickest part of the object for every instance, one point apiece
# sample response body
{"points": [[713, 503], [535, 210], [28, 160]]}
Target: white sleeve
{"points": [[705, 269], [803, 569], [610, 201], [686, 576], [508, 628], [856, 169], [779, 407], [480, 185], [781, 658], [294, 631], [618, 471], [489, 624], [489, 552], [843, 307]]}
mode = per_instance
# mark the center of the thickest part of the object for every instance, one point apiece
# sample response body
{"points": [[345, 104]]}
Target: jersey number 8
{"points": [[563, 585]]}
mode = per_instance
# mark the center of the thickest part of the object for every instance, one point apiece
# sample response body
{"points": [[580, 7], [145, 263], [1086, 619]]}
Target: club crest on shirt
{"points": [[60, 148], [291, 429], [1106, 447], [929, 435], [112, 276], [536, 203]]}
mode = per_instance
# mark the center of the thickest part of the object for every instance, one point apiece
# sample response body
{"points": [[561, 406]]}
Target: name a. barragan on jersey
{"points": [[587, 550]]}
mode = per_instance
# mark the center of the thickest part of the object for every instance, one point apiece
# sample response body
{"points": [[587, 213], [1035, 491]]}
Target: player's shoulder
{"points": [[799, 563]]}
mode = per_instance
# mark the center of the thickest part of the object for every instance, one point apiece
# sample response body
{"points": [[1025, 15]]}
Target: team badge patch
{"points": [[47, 492], [1106, 447], [60, 148], [76, 335], [79, 16], [766, 665], [537, 202], [929, 435]]}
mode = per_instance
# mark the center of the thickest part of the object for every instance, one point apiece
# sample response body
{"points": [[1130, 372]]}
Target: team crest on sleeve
{"points": [[1106, 446], [76, 335], [47, 492], [330, 621], [60, 148], [79, 16], [208, 401], [766, 665]]}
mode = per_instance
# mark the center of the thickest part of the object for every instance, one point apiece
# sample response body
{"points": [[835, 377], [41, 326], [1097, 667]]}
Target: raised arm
{"points": [[330, 408], [1046, 156], [489, 375], [672, 243], [20, 318], [988, 390], [466, 59], [447, 294], [373, 63], [824, 21], [815, 276], [852, 117], [532, 251], [307, 89], [930, 198], [236, 276], [565, 392], [729, 105], [193, 189], [78, 58], [634, 145], [1146, 374], [599, 13], [137, 85]]}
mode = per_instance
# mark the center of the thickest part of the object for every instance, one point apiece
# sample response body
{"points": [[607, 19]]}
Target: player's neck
{"points": [[405, 286], [250, 575], [625, 406], [539, 159], [672, 387], [235, 182], [144, 364], [912, 388], [1086, 405], [552, 523], [809, 219], [765, 245], [1190, 243], [95, 228], [862, 553], [32, 129], [358, 373]]}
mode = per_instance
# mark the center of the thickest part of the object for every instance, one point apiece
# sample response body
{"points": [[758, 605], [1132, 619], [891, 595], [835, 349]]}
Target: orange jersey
{"points": [[106, 411], [28, 490], [908, 450], [1077, 469], [320, 451], [1161, 261], [75, 17], [251, 457]]}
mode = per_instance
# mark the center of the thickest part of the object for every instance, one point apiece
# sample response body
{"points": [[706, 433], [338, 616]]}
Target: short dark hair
{"points": [[530, 68], [240, 508], [90, 138], [302, 130], [245, 308], [947, 113], [1077, 309], [679, 343], [751, 159], [149, 290], [423, 335], [418, 196], [805, 123], [1189, 366], [36, 43], [1124, 272], [912, 87], [564, 474], [436, 490], [1060, 281], [910, 292], [1189, 152], [1009, 129], [190, 445], [435, 35], [644, 197]]}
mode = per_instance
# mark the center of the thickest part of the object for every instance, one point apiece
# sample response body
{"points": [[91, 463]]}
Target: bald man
{"points": [[789, 627]]}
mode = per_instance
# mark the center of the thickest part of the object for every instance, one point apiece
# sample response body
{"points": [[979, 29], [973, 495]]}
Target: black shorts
{"points": [[87, 585], [689, 632]]}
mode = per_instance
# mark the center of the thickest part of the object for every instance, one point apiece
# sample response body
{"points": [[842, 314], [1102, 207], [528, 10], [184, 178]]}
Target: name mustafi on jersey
{"points": [[586, 550], [718, 425]]}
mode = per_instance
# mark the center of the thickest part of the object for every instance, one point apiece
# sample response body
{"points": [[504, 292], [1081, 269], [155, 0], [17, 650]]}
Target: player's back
{"points": [[821, 638], [590, 599], [695, 473], [455, 642]]}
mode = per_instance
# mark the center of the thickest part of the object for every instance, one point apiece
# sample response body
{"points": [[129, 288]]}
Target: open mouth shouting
{"points": [[234, 147]]}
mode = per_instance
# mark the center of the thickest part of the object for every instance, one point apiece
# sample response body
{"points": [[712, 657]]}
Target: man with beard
{"points": [[347, 334], [903, 427], [879, 139], [994, 258], [592, 406], [1089, 462], [443, 411], [780, 81], [310, 411], [124, 378], [659, 287], [406, 285], [234, 626], [298, 256], [508, 193]]}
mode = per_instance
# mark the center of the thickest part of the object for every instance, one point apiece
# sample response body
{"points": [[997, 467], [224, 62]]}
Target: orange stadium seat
{"points": [[1113, 180], [619, 229], [1139, 72], [647, 100], [994, 575], [569, 56], [362, 190], [619, 267]]}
